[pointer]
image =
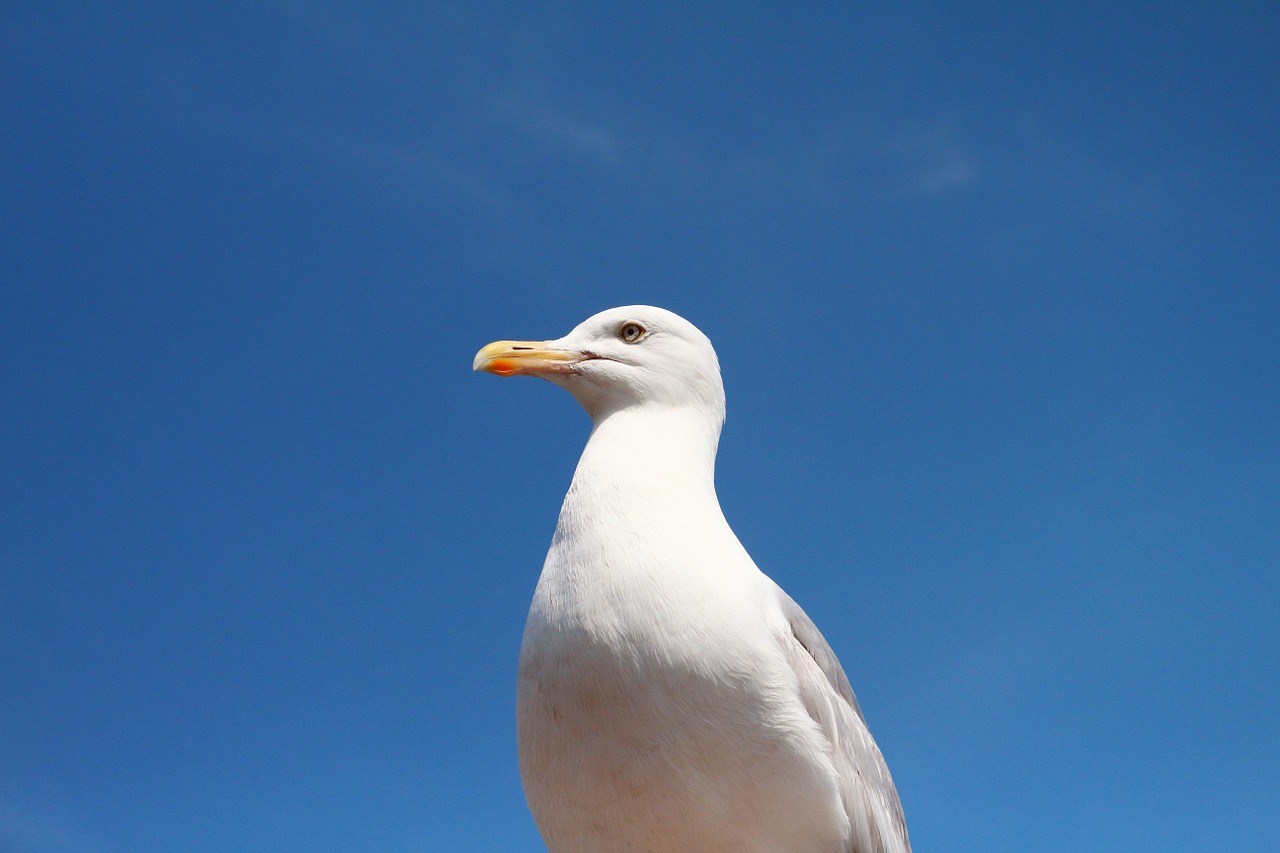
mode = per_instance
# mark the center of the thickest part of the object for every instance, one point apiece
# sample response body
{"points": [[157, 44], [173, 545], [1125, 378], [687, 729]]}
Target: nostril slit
{"points": [[523, 348]]}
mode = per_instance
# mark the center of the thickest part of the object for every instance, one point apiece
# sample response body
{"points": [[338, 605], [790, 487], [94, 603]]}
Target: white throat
{"points": [[644, 491]]}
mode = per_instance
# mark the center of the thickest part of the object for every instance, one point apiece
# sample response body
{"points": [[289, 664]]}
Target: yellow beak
{"points": [[524, 358]]}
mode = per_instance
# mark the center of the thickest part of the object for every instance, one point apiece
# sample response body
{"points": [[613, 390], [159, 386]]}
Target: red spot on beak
{"points": [[503, 366]]}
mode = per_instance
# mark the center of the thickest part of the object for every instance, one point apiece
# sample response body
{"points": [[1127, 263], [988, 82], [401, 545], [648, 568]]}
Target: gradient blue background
{"points": [[996, 291]]}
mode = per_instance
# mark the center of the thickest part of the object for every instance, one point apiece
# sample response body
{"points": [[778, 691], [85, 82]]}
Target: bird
{"points": [[671, 697]]}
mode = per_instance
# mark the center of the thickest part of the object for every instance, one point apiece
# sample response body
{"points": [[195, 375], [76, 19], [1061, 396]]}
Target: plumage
{"points": [[671, 697]]}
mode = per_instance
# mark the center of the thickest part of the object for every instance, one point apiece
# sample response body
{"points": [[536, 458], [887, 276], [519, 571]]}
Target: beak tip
{"points": [[485, 358]]}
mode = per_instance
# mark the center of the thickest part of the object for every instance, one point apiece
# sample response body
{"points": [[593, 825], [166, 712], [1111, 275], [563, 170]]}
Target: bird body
{"points": [[671, 698]]}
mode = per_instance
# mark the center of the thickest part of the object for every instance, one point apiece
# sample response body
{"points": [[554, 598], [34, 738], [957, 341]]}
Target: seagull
{"points": [[672, 698]]}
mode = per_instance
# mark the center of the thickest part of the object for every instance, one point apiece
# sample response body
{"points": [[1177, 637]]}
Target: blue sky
{"points": [[995, 289]]}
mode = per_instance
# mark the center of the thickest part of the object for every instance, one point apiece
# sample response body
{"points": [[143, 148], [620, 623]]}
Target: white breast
{"points": [[655, 712]]}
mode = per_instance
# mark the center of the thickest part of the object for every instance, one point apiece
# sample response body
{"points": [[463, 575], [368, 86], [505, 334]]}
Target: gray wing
{"points": [[870, 799]]}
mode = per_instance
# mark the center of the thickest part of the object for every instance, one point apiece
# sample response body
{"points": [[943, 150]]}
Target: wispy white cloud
{"points": [[414, 168], [518, 112], [935, 161], [951, 172], [556, 130]]}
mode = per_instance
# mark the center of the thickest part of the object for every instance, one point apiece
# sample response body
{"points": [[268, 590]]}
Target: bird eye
{"points": [[632, 332]]}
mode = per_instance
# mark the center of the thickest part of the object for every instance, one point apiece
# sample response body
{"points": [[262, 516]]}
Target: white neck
{"points": [[641, 511], [645, 482], [651, 451]]}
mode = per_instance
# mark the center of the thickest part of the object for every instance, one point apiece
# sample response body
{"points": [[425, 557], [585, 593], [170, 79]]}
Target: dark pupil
{"points": [[631, 332]]}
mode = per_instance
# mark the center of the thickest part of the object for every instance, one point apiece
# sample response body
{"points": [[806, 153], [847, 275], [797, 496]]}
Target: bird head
{"points": [[621, 359]]}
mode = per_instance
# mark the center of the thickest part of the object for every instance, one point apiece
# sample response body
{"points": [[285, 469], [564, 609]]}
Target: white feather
{"points": [[671, 698]]}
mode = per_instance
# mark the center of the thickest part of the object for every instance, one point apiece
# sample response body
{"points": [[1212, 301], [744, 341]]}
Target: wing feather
{"points": [[870, 798]]}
